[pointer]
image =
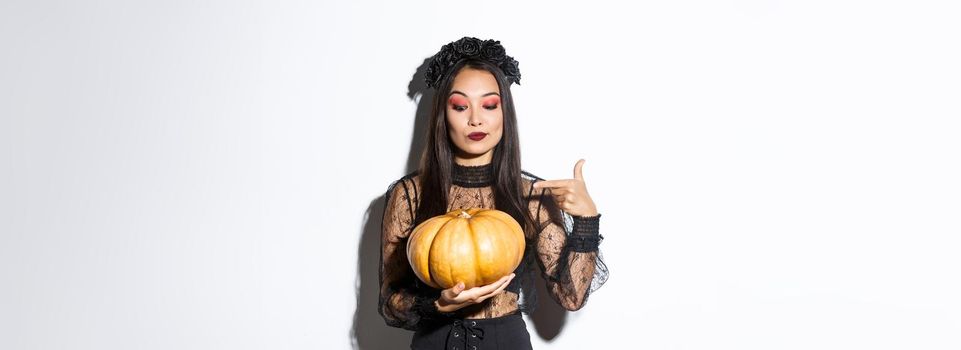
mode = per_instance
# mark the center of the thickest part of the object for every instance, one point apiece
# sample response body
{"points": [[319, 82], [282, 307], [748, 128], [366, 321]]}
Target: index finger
{"points": [[499, 289], [550, 184]]}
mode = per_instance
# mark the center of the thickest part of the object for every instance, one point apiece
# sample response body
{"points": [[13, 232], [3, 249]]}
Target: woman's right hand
{"points": [[455, 298]]}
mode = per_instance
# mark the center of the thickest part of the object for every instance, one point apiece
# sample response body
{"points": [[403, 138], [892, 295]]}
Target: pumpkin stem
{"points": [[464, 214]]}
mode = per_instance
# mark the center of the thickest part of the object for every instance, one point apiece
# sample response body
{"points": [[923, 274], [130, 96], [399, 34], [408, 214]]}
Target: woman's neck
{"points": [[473, 176], [476, 160]]}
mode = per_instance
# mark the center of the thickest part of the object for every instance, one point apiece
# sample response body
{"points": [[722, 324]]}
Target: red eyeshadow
{"points": [[458, 100], [493, 100]]}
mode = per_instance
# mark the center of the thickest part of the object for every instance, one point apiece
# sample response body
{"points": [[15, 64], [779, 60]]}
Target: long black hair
{"points": [[437, 161]]}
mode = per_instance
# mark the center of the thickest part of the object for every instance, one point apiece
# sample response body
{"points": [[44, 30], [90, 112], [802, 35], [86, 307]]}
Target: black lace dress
{"points": [[567, 256]]}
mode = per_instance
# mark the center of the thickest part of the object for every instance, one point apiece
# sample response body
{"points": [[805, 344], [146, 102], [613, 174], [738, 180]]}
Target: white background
{"points": [[207, 175]]}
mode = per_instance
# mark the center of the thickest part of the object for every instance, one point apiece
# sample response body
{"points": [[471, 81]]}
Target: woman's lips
{"points": [[477, 136]]}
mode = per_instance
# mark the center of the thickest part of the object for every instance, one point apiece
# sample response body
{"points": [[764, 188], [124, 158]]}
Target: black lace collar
{"points": [[473, 176]]}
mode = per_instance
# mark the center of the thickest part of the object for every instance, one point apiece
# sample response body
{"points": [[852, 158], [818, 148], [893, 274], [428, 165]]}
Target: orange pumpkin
{"points": [[475, 246]]}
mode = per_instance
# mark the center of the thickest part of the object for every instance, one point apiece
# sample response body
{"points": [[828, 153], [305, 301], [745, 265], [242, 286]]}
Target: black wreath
{"points": [[470, 48]]}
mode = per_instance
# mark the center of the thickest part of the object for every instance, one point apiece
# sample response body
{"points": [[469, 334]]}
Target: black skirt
{"points": [[499, 333]]}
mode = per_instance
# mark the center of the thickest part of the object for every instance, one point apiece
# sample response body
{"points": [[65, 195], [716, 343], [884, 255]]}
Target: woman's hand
{"points": [[571, 194], [455, 298]]}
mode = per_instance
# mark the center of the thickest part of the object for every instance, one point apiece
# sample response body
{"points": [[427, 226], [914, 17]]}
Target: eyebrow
{"points": [[465, 95]]}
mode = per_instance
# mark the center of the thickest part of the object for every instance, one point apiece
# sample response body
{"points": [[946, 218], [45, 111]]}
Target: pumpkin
{"points": [[475, 246]]}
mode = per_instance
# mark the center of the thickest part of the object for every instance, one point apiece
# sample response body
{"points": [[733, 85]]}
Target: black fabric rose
{"points": [[468, 46], [511, 70], [448, 54], [493, 52], [433, 73]]}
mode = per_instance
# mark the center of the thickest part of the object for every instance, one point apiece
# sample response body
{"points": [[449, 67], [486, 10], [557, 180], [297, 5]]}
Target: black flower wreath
{"points": [[470, 48]]}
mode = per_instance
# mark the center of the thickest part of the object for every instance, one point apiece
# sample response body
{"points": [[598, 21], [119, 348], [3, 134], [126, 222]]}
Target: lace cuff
{"points": [[425, 307], [586, 235]]}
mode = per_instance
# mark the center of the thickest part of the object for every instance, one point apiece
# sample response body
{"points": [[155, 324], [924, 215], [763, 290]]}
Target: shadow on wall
{"points": [[369, 331]]}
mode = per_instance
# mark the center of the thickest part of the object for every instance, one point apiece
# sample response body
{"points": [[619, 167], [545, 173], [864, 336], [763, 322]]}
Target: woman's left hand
{"points": [[571, 194]]}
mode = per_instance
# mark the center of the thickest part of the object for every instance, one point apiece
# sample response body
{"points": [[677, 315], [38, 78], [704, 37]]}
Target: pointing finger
{"points": [[550, 184]]}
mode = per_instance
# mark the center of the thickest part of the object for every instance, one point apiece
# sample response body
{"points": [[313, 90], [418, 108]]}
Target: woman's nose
{"points": [[474, 119]]}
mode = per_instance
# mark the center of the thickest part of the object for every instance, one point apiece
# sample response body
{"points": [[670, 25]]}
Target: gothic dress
{"points": [[564, 250]]}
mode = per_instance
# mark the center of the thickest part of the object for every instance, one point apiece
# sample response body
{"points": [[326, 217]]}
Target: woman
{"points": [[472, 160]]}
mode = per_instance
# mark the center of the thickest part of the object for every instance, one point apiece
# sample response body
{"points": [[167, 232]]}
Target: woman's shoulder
{"points": [[530, 177], [409, 182], [527, 181]]}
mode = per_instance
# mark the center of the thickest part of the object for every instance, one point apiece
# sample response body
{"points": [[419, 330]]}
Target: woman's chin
{"points": [[470, 154]]}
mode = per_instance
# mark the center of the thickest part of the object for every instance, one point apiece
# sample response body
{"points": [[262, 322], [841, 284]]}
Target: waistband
{"points": [[469, 331]]}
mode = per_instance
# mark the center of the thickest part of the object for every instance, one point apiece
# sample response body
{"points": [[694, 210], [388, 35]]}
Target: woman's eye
{"points": [[491, 107], [459, 108]]}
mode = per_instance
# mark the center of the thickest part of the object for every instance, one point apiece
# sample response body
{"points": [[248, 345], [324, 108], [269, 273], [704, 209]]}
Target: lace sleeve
{"points": [[404, 301], [567, 252]]}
